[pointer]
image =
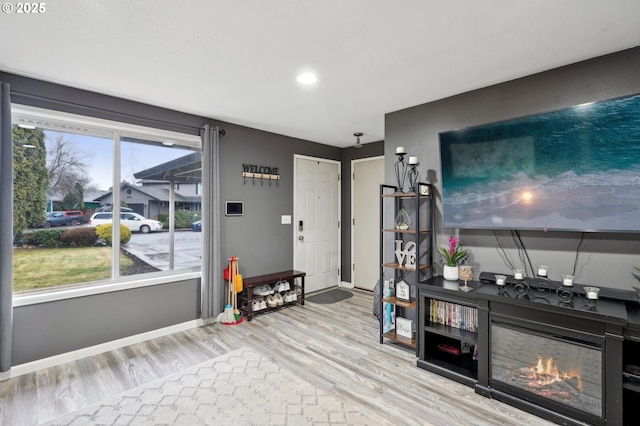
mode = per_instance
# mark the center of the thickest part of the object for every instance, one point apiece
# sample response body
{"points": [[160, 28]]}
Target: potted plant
{"points": [[453, 256]]}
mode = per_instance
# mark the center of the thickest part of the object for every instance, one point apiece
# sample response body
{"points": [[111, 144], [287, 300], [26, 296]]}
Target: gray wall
{"points": [[46, 329], [607, 259], [258, 238]]}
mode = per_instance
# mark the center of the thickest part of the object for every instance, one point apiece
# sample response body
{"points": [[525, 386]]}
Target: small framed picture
{"points": [[403, 291], [404, 327]]}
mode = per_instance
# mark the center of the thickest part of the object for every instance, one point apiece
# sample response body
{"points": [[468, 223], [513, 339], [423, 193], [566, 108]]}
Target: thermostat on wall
{"points": [[234, 208]]}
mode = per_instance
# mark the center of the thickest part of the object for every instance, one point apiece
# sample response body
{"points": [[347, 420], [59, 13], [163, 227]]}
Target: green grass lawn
{"points": [[51, 267]]}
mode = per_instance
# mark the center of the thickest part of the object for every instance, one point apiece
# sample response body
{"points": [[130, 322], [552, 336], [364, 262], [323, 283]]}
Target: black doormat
{"points": [[331, 296]]}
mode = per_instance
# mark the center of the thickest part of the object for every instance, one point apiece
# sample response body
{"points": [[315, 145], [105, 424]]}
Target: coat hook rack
{"points": [[262, 177]]}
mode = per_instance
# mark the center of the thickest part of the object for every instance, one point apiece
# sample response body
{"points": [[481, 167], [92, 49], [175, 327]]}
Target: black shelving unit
{"points": [[419, 205]]}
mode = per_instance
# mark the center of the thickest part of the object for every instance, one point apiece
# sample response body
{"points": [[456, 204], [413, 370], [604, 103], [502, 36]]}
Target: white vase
{"points": [[450, 273]]}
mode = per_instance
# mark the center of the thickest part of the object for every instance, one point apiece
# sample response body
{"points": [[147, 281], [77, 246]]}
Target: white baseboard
{"points": [[344, 284], [30, 367]]}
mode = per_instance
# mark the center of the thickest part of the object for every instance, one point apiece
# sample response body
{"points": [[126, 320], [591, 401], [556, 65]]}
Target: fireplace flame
{"points": [[545, 373]]}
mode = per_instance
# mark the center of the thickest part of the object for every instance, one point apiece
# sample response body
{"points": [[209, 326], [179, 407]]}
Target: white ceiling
{"points": [[236, 60]]}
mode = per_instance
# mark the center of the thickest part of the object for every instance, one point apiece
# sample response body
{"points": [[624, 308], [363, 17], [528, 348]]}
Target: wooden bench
{"points": [[250, 283]]}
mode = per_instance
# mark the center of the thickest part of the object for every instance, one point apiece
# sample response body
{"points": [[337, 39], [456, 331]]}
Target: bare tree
{"points": [[66, 167]]}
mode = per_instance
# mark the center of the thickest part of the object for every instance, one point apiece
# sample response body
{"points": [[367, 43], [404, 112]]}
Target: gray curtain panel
{"points": [[211, 288], [6, 229]]}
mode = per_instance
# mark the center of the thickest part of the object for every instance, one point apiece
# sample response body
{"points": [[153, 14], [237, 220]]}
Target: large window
{"points": [[99, 202]]}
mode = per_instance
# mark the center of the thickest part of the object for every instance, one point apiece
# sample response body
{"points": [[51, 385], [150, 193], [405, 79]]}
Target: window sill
{"points": [[90, 290]]}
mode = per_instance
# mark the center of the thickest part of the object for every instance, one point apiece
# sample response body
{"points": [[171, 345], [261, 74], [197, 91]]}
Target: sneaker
{"points": [[271, 301], [294, 296], [263, 290], [286, 286], [279, 299], [255, 305], [287, 297], [263, 304], [278, 287]]}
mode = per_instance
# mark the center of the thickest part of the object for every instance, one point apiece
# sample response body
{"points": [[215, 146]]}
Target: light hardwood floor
{"points": [[335, 347]]}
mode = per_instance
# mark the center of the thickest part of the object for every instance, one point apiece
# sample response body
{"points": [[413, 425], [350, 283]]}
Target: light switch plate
{"points": [[286, 219]]}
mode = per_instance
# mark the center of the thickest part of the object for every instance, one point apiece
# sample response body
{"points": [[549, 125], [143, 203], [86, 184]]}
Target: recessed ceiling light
{"points": [[306, 78]]}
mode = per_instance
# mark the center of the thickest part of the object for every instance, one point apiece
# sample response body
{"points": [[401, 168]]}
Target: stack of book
{"points": [[453, 315]]}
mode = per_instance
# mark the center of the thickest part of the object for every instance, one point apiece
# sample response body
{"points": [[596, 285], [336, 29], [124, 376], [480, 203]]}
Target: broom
{"points": [[237, 282], [227, 317]]}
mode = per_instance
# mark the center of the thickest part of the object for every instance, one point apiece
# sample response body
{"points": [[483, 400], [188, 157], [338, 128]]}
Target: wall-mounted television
{"points": [[575, 169]]}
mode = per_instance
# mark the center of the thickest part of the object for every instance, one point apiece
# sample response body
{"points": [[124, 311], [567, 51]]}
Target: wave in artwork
{"points": [[573, 169]]}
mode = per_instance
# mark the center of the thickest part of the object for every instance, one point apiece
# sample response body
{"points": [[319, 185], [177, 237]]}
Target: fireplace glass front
{"points": [[548, 368]]}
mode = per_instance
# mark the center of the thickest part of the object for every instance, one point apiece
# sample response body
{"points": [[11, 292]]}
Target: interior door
{"points": [[367, 176], [316, 228]]}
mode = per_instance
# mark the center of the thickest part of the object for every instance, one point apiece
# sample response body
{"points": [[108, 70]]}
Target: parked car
{"points": [[197, 226], [133, 221], [67, 217], [76, 217]]}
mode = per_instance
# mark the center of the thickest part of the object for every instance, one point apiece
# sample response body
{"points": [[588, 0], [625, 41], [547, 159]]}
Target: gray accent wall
{"points": [[47, 329], [258, 238], [607, 259]]}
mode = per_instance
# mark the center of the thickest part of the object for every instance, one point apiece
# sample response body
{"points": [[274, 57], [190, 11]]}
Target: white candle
{"points": [[400, 150], [543, 271], [568, 282], [518, 274], [413, 160], [500, 279], [591, 292]]}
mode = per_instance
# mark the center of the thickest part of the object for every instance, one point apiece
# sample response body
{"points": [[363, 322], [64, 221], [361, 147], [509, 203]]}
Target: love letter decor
{"points": [[406, 257]]}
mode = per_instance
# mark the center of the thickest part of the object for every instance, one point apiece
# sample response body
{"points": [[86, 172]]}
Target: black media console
{"points": [[569, 360]]}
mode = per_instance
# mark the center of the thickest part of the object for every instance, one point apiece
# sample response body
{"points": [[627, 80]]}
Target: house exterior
{"points": [[151, 198]]}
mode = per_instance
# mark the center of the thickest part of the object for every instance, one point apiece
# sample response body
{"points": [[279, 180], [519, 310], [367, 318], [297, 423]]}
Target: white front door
{"points": [[367, 176], [316, 222]]}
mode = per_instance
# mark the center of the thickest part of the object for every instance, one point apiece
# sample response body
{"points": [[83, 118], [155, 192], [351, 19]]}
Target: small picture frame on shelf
{"points": [[424, 190], [404, 327], [403, 291]]}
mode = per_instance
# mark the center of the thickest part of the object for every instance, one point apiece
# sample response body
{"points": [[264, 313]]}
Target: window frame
{"points": [[72, 123]]}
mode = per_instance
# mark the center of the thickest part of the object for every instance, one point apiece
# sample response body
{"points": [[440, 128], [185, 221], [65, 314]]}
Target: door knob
{"points": [[301, 237]]}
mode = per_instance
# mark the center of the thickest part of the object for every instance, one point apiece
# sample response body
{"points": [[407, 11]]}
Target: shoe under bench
{"points": [[250, 283]]}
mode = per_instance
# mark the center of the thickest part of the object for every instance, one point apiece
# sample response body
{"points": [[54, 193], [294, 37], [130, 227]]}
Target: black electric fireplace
{"points": [[552, 367], [560, 360]]}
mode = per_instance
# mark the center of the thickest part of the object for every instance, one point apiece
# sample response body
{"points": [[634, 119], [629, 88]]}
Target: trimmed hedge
{"points": [[48, 238], [183, 219], [105, 232], [80, 237], [164, 219]]}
